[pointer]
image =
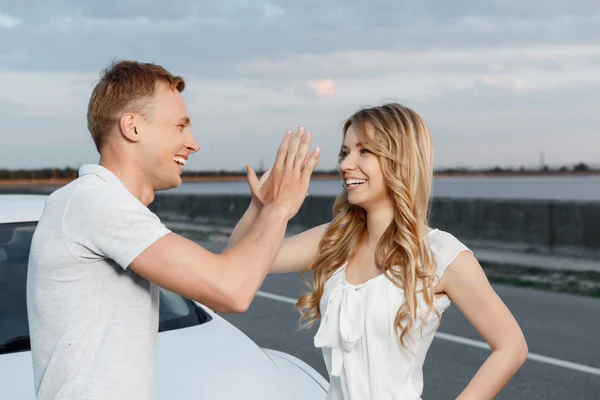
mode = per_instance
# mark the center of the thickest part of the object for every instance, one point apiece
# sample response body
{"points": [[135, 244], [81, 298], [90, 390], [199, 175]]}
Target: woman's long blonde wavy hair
{"points": [[401, 141]]}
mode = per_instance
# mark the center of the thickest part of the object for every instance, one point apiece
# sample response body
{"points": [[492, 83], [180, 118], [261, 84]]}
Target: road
{"points": [[561, 331]]}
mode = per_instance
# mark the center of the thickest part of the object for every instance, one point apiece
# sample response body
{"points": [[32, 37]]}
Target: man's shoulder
{"points": [[59, 199], [91, 198], [91, 189]]}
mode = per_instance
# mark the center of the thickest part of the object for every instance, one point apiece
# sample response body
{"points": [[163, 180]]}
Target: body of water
{"points": [[579, 188]]}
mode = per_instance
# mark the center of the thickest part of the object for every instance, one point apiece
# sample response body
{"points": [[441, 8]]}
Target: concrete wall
{"points": [[562, 228], [567, 228]]}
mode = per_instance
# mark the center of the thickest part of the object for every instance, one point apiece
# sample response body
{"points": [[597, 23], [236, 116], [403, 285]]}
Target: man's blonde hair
{"points": [[125, 86]]}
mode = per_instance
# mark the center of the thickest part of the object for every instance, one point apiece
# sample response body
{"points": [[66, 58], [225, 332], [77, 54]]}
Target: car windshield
{"points": [[15, 240]]}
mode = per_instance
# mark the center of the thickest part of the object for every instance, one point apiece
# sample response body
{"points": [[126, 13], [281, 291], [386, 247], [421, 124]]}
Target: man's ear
{"points": [[127, 125]]}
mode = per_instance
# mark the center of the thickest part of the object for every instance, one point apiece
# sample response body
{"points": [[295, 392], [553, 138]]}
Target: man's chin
{"points": [[169, 185]]}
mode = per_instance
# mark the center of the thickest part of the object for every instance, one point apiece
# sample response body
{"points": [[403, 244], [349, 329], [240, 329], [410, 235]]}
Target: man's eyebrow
{"points": [[184, 121]]}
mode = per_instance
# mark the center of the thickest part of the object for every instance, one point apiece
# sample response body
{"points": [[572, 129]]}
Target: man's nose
{"points": [[191, 144]]}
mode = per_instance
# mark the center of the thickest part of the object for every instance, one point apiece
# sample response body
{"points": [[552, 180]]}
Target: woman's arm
{"points": [[299, 251], [244, 224], [296, 252], [467, 286]]}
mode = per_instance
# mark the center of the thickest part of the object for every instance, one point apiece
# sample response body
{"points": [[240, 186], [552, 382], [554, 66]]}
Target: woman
{"points": [[381, 277]]}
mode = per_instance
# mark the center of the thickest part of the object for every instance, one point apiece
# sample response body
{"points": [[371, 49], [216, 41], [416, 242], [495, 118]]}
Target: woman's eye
{"points": [[365, 151], [343, 155]]}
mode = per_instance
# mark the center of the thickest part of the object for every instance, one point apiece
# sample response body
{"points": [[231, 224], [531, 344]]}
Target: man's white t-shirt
{"points": [[93, 322]]}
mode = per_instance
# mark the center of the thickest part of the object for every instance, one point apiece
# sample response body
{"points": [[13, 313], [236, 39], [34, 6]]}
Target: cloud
{"points": [[8, 22], [479, 72], [47, 95], [10, 108], [210, 37], [512, 85], [272, 11], [323, 87], [497, 95], [487, 125]]}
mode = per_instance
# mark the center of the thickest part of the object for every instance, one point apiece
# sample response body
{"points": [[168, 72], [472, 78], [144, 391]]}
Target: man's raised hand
{"points": [[287, 182]]}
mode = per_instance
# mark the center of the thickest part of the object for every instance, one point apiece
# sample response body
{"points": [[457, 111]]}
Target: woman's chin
{"points": [[356, 200]]}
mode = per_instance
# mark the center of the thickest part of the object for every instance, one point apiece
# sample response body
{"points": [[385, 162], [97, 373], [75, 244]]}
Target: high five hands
{"points": [[287, 182]]}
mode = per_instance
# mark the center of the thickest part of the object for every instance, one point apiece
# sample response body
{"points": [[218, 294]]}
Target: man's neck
{"points": [[131, 176]]}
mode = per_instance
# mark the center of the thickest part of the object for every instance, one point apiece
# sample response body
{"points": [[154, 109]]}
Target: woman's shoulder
{"points": [[445, 248]]}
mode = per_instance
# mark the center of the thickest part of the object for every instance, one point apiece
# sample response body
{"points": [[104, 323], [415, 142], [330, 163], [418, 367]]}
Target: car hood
{"points": [[210, 361], [217, 361]]}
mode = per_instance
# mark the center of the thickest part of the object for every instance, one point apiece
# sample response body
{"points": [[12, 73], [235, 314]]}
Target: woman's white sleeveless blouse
{"points": [[362, 353]]}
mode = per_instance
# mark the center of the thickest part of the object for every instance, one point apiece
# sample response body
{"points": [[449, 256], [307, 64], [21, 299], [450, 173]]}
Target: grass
{"points": [[586, 283]]}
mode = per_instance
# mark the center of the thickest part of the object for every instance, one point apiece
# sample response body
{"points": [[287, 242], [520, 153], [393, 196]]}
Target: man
{"points": [[99, 253]]}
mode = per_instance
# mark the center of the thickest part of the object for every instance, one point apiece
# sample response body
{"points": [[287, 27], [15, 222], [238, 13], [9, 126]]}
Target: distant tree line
{"points": [[71, 173], [46, 173], [580, 167], [243, 173]]}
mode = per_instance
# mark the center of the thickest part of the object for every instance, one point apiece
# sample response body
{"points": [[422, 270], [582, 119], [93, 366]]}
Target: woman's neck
{"points": [[378, 220]]}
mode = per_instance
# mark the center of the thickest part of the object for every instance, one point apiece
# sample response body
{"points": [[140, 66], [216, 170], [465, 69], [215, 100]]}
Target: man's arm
{"points": [[261, 191], [296, 252], [225, 282], [229, 281]]}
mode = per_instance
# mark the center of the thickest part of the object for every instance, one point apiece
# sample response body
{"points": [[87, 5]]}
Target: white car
{"points": [[199, 354]]}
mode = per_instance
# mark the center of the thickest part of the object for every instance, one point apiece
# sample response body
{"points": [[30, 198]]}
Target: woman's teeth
{"points": [[353, 182]]}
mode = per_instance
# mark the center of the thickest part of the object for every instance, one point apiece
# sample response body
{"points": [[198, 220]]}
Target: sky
{"points": [[498, 82]]}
